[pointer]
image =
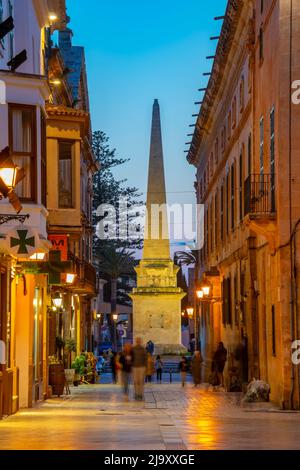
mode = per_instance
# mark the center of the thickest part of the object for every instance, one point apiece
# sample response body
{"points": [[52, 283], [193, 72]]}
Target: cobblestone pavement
{"points": [[171, 418]]}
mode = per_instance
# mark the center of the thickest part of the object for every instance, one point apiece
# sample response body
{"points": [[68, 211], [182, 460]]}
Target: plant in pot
{"points": [[70, 346], [79, 366]]}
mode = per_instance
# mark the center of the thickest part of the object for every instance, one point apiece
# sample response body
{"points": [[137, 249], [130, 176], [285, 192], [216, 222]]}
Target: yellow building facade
{"points": [[245, 148]]}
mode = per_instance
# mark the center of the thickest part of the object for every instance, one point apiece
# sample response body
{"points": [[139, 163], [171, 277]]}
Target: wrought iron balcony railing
{"points": [[260, 195]]}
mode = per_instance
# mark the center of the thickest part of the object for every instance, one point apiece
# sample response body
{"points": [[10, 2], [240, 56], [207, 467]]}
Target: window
{"points": [[211, 228], [272, 157], [273, 331], [261, 146], [242, 296], [216, 219], [235, 303], [217, 151], [249, 154], [211, 165], [242, 94], [43, 160], [227, 302], [22, 142], [261, 6], [223, 139], [241, 188], [229, 125], [261, 44], [232, 197], [65, 190], [222, 213], [234, 113], [227, 204], [206, 233]]}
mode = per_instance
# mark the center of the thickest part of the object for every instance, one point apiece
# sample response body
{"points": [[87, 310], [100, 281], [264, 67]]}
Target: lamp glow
{"points": [[200, 294], [8, 175], [53, 17], [190, 312], [206, 290], [115, 317], [57, 301], [70, 278]]}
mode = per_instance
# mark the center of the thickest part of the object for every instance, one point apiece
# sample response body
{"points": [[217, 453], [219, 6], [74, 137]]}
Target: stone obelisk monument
{"points": [[157, 299]]}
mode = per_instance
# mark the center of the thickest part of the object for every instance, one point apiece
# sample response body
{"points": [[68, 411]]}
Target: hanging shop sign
{"points": [[22, 241], [60, 242]]}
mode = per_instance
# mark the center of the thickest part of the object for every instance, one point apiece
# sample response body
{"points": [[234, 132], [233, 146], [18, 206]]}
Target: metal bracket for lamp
{"points": [[4, 218]]}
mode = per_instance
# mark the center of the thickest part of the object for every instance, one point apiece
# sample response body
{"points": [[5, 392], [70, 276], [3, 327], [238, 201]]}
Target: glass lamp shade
{"points": [[57, 301], [206, 290], [200, 294], [8, 176], [190, 312], [115, 317], [70, 278]]}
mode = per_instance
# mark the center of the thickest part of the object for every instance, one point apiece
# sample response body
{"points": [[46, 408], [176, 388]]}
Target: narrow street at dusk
{"points": [[149, 232], [98, 417]]}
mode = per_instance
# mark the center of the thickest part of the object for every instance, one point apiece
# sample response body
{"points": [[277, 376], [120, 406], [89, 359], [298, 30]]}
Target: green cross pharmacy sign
{"points": [[22, 241]]}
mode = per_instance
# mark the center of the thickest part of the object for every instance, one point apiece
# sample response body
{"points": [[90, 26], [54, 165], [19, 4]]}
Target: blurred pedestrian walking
{"points": [[183, 367], [126, 364], [159, 368], [113, 365], [149, 368], [196, 368], [139, 363]]}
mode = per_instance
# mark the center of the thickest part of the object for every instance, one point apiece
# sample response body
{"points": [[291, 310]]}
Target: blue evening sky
{"points": [[139, 50]]}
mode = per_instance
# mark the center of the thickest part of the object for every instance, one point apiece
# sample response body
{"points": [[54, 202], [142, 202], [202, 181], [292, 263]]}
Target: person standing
{"points": [[196, 368], [159, 368], [139, 363], [219, 361], [126, 363], [183, 367]]}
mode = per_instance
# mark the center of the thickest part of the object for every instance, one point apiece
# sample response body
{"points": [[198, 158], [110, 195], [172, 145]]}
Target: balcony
{"points": [[260, 196], [85, 276], [260, 207]]}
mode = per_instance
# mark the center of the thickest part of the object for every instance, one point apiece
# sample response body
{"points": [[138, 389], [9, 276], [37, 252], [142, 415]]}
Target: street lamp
{"points": [[70, 278], [10, 176], [115, 318], [200, 294], [57, 300], [206, 290], [190, 312], [98, 315]]}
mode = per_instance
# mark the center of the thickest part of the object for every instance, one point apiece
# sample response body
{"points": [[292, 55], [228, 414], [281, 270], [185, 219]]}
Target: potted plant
{"points": [[79, 366], [70, 346]]}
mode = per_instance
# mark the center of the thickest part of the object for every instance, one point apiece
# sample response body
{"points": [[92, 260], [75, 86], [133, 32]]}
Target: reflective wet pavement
{"points": [[99, 417]]}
